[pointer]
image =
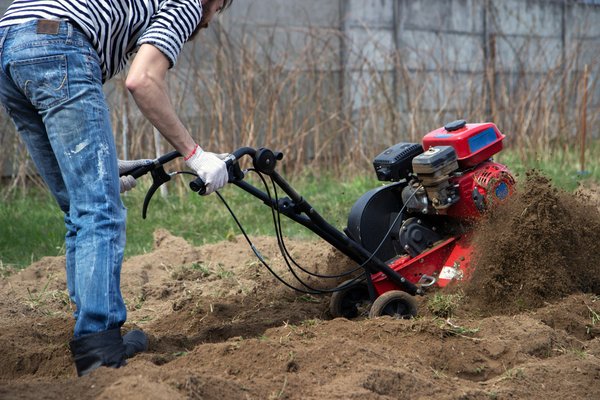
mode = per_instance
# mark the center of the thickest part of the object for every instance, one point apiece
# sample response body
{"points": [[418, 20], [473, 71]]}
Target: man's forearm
{"points": [[147, 84], [156, 106]]}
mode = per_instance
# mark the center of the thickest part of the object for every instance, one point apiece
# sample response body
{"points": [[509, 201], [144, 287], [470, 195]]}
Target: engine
{"points": [[421, 222], [438, 188], [452, 173]]}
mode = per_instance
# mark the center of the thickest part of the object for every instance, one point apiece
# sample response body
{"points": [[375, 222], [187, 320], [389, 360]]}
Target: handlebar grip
{"points": [[198, 185]]}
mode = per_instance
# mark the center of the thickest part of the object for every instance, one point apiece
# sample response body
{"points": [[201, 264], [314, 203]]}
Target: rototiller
{"points": [[407, 236]]}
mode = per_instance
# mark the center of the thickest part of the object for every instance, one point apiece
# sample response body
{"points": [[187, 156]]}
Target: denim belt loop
{"points": [[69, 32]]}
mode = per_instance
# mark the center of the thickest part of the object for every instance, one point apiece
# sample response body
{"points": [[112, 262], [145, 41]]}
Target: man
{"points": [[54, 57]]}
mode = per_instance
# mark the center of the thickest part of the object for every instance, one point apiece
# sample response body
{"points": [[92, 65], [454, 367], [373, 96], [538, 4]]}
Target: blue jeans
{"points": [[50, 85]]}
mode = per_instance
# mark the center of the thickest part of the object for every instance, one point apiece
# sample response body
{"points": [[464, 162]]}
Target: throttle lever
{"points": [[159, 177]]}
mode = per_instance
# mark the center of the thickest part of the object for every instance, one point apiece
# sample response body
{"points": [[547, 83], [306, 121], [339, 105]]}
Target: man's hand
{"points": [[210, 167], [128, 182]]}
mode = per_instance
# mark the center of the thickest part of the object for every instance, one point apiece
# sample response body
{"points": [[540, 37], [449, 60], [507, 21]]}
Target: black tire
{"points": [[351, 301], [394, 303]]}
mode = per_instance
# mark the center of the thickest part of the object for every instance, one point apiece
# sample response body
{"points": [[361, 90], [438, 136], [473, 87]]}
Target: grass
{"points": [[594, 320], [451, 329], [444, 305], [513, 374], [38, 300], [31, 225], [562, 165]]}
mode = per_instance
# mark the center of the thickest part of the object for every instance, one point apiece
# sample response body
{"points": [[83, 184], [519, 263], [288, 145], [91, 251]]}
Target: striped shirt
{"points": [[116, 28]]}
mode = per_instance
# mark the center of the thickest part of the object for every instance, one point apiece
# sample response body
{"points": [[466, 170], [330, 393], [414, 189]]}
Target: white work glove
{"points": [[128, 182], [210, 167]]}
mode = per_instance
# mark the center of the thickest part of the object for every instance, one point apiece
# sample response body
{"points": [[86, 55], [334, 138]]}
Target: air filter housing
{"points": [[395, 163]]}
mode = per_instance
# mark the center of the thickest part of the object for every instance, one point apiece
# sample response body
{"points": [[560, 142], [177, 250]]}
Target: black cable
{"points": [[285, 250], [274, 211], [262, 260], [255, 250]]}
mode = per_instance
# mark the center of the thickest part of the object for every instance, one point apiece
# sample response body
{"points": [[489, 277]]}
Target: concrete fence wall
{"points": [[457, 36], [527, 36]]}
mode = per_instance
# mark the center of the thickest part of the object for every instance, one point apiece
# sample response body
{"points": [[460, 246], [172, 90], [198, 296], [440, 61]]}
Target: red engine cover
{"points": [[473, 143]]}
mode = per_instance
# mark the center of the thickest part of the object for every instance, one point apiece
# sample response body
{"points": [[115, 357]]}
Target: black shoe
{"points": [[98, 349], [106, 348], [135, 342]]}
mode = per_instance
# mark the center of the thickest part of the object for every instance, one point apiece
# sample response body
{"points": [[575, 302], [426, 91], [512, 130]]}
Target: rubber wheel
{"points": [[394, 303], [350, 302]]}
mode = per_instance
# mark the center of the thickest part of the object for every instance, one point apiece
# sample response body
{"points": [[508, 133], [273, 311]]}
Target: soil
{"points": [[527, 326]]}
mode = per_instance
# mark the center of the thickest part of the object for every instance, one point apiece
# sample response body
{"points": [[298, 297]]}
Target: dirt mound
{"points": [[542, 245], [222, 327]]}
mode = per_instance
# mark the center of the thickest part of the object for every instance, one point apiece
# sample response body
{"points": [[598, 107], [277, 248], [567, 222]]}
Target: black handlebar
{"points": [[264, 160], [199, 186], [160, 161]]}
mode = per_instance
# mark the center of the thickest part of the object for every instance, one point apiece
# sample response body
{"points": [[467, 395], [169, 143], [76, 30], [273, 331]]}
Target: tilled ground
{"points": [[221, 327]]}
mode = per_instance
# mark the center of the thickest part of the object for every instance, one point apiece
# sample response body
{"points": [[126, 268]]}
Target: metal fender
{"points": [[371, 217]]}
